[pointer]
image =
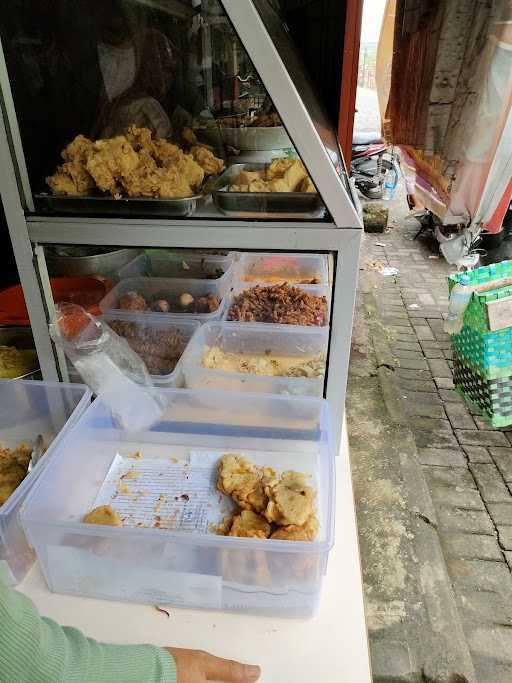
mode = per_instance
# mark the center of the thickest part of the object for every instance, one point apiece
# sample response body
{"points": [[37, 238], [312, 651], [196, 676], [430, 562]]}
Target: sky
{"points": [[373, 11]]}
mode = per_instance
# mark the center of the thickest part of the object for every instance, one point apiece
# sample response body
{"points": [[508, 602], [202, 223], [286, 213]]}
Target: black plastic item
{"points": [[492, 240]]}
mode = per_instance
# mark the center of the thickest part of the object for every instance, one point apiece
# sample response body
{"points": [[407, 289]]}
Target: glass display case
{"points": [[177, 124]]}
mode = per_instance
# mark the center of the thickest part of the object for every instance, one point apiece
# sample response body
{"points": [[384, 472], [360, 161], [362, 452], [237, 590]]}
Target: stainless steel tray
{"points": [[127, 206], [82, 261], [263, 204]]}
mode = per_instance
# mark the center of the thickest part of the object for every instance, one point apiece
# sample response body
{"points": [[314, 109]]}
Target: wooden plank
{"points": [[499, 313]]}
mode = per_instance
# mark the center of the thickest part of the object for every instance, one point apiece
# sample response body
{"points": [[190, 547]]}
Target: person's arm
{"points": [[34, 649]]}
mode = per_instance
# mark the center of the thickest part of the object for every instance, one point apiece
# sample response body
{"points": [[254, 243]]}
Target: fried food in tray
{"points": [[280, 303], [13, 469], [282, 175], [280, 507], [133, 165], [184, 303]]}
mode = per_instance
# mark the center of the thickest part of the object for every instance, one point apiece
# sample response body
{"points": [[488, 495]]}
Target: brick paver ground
{"points": [[467, 463]]}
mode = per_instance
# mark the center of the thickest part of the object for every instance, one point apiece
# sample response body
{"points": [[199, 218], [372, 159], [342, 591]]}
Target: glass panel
{"points": [[148, 108]]}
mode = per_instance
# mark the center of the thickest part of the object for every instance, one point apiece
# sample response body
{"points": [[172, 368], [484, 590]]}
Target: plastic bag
{"points": [[109, 367]]}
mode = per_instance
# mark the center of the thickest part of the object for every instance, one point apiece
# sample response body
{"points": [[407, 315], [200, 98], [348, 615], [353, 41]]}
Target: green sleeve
{"points": [[37, 650]]}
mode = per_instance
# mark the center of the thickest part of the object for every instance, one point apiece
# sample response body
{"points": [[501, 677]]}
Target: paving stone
{"points": [[439, 368], [505, 536], [490, 483], [394, 322], [501, 513], [488, 670], [442, 336], [444, 382], [423, 386], [405, 354], [421, 397], [403, 337], [433, 353], [508, 558], [424, 332], [436, 345], [471, 546], [455, 476], [424, 409], [407, 373], [404, 328], [484, 424], [413, 364], [444, 457], [483, 606], [459, 416], [467, 499], [451, 396], [480, 574], [493, 642], [391, 661], [406, 346], [429, 424], [448, 354], [480, 438], [427, 439], [464, 521], [477, 454], [503, 459]]}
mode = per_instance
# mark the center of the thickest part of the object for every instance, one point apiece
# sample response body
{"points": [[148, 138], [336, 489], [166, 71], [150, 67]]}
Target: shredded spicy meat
{"points": [[279, 304]]}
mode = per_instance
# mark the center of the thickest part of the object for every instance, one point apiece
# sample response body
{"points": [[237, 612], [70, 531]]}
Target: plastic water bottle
{"points": [[390, 183], [459, 299]]}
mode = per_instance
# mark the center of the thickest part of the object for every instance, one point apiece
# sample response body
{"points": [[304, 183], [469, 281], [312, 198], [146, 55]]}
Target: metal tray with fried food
{"points": [[95, 205], [263, 204]]}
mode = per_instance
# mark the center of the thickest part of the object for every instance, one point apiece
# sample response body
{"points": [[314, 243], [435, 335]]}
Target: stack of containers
{"points": [[258, 342], [483, 347], [176, 564], [29, 409]]}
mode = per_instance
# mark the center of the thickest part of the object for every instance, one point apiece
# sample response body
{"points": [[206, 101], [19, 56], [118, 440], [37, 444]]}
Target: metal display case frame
{"points": [[315, 141]]}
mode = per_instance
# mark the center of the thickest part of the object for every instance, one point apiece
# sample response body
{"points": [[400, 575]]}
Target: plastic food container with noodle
{"points": [[175, 565], [258, 339], [29, 408], [239, 286]]}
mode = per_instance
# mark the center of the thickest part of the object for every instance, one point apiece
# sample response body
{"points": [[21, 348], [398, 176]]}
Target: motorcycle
{"points": [[373, 165]]}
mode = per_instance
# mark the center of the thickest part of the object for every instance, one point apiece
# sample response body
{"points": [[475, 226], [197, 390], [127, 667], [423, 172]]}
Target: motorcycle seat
{"points": [[366, 138]]}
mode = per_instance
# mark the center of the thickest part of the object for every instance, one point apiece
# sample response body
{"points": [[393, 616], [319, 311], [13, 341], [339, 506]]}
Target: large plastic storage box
{"points": [[145, 329], [255, 340], [27, 409], [157, 263], [293, 268], [239, 286], [153, 287], [194, 569], [483, 347]]}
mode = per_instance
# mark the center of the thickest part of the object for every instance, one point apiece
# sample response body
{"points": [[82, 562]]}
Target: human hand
{"points": [[195, 666]]}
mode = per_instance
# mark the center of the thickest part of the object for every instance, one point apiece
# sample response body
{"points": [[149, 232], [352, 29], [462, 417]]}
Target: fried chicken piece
{"points": [[307, 532], [78, 149], [6, 490], [166, 153], [171, 183], [63, 184], [111, 160], [244, 482], [139, 138], [132, 301], [307, 186], [278, 185], [191, 171], [105, 515], [22, 454], [211, 164], [249, 525], [290, 500]]}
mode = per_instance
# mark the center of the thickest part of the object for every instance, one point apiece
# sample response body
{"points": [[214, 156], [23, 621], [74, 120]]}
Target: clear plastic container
{"points": [[256, 341], [175, 265], [152, 330], [27, 409], [166, 288], [193, 569], [240, 286], [272, 268]]}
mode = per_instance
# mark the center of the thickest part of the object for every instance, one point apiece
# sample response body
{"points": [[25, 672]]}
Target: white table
{"points": [[331, 648]]}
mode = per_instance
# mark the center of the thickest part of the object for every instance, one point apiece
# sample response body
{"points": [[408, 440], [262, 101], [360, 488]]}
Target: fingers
{"points": [[217, 669]]}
